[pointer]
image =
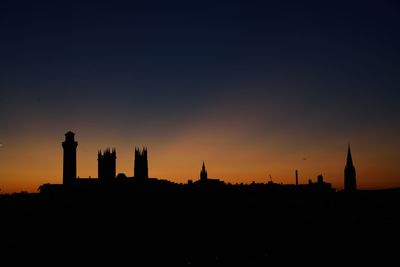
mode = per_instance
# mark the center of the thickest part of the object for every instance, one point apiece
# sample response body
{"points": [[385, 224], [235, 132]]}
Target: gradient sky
{"points": [[253, 88]]}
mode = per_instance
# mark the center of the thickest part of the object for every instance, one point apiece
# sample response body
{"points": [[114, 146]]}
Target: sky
{"points": [[256, 89]]}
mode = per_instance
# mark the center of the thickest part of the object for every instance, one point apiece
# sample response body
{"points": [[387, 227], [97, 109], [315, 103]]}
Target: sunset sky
{"points": [[252, 88]]}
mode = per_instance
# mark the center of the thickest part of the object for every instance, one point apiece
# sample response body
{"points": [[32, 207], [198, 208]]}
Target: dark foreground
{"points": [[201, 228]]}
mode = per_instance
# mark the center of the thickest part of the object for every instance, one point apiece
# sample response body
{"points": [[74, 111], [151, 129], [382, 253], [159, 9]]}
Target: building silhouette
{"points": [[69, 159], [203, 173], [205, 181], [108, 178], [320, 185], [141, 170], [349, 174], [107, 165], [107, 162]]}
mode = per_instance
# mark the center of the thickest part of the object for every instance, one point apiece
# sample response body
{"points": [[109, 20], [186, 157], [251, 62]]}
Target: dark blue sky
{"points": [[314, 70]]}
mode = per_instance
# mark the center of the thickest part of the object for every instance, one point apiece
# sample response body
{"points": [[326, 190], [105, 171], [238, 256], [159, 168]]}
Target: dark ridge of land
{"points": [[201, 227]]}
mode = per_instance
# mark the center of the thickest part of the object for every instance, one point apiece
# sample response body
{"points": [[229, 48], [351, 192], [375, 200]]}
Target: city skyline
{"points": [[70, 145], [285, 175], [203, 221], [200, 133], [255, 89], [107, 171]]}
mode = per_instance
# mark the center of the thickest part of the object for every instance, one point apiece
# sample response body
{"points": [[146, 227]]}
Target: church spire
{"points": [[350, 183], [203, 173], [349, 158]]}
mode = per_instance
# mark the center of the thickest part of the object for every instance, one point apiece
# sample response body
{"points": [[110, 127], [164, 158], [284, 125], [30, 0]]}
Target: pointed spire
{"points": [[203, 173], [203, 168], [349, 158]]}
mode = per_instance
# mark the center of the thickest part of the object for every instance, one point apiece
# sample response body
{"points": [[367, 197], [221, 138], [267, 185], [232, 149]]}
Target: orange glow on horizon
{"points": [[233, 158]]}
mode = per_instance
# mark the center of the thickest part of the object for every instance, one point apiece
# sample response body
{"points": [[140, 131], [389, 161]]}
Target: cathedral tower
{"points": [[69, 163], [349, 174], [107, 165], [141, 169]]}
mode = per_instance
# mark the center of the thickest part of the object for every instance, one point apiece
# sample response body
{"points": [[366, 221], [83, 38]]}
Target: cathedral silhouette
{"points": [[106, 164], [141, 170]]}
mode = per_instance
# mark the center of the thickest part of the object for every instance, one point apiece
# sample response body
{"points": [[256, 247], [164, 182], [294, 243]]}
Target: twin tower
{"points": [[106, 162]]}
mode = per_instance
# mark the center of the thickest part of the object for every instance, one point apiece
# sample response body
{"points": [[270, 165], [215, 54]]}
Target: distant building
{"points": [[203, 173], [69, 159], [205, 181], [107, 177], [320, 185], [141, 168], [107, 162], [107, 165], [350, 184]]}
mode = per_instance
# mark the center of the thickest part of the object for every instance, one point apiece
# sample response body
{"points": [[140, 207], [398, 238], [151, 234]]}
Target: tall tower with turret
{"points": [[203, 173], [350, 184], [69, 162], [141, 169]]}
